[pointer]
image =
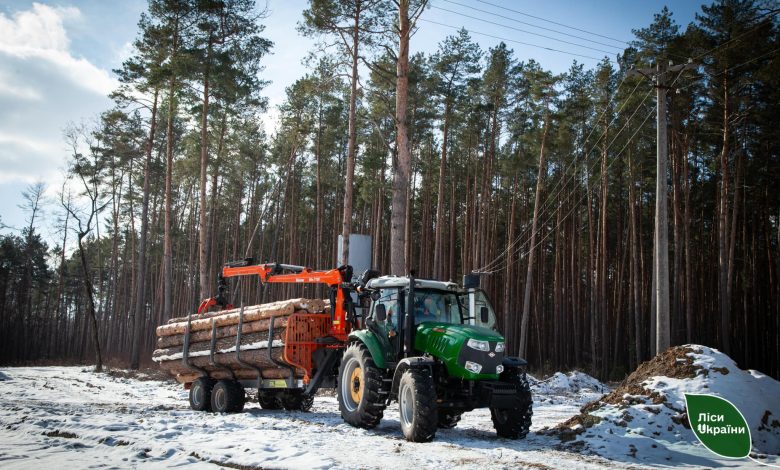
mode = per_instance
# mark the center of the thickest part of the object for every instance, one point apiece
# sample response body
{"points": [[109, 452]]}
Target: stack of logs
{"points": [[223, 325]]}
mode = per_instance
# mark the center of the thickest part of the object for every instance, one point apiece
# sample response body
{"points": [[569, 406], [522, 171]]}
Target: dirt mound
{"points": [[647, 411], [674, 363]]}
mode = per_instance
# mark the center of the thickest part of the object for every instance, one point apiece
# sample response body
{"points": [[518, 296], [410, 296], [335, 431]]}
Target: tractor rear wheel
{"points": [[448, 419], [227, 397], [417, 405], [514, 423], [359, 388], [200, 394]]}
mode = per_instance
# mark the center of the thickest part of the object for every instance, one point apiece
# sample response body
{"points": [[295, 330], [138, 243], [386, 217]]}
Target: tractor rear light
{"points": [[499, 347], [478, 345], [473, 367]]}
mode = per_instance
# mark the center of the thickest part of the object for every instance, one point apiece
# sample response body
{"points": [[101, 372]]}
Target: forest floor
{"points": [[55, 416]]}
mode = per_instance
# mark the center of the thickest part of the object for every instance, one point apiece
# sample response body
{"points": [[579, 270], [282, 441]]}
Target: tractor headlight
{"points": [[478, 345], [499, 369], [473, 367], [499, 347]]}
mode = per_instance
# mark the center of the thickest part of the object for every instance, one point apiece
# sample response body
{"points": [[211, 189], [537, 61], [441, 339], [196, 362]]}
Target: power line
{"points": [[523, 30], [739, 37], [497, 263], [552, 194], [508, 40], [503, 263], [575, 206], [492, 266], [552, 22], [529, 24], [564, 180]]}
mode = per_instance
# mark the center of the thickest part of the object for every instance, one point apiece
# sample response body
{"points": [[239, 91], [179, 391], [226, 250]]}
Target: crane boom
{"points": [[337, 279]]}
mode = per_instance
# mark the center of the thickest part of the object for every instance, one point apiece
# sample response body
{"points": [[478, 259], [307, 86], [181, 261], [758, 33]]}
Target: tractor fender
{"points": [[511, 362], [415, 362], [372, 343]]}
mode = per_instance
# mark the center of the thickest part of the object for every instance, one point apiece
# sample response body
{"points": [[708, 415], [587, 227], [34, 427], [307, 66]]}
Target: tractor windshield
{"points": [[451, 307]]}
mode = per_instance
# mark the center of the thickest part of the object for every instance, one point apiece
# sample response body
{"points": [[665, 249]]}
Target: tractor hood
{"points": [[450, 344], [460, 331]]}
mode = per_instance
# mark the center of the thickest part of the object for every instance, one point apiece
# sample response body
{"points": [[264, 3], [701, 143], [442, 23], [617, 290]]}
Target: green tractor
{"points": [[432, 346]]}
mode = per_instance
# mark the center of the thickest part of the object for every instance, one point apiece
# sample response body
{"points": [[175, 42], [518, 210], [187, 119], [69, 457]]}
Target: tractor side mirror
{"points": [[375, 295], [380, 314], [484, 315]]}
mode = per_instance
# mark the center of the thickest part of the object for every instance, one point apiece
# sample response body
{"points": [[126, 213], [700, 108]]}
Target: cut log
{"points": [[307, 305], [257, 357], [241, 374], [224, 332], [250, 315], [225, 345]]}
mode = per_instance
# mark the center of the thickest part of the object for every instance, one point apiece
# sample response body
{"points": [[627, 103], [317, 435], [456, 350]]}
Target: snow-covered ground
{"points": [[72, 417]]}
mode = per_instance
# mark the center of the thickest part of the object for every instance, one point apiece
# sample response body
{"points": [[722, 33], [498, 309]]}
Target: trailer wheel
{"points": [[239, 396], [227, 397], [359, 386], [200, 394], [297, 401], [514, 423], [448, 419], [417, 405], [269, 401]]}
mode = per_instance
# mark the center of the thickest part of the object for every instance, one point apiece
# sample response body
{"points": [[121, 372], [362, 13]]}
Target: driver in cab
{"points": [[427, 310]]}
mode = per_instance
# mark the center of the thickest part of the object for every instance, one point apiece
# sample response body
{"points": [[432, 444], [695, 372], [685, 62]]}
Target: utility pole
{"points": [[660, 76]]}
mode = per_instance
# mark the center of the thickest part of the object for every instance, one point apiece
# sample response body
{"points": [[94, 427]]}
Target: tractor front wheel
{"points": [[359, 388], [417, 405], [514, 423]]}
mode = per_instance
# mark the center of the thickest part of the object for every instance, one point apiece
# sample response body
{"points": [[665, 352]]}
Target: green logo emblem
{"points": [[718, 425]]}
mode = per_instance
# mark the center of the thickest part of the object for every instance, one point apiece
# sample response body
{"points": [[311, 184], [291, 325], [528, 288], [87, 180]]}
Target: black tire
{"points": [[359, 388], [239, 397], [269, 401], [200, 394], [514, 423], [448, 419], [227, 397], [297, 401], [417, 405]]}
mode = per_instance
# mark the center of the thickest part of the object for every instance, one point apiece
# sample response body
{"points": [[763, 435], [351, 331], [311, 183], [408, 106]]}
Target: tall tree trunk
{"points": [[90, 304], [203, 231], [438, 246], [346, 224], [139, 312], [523, 347], [723, 229], [167, 242], [401, 176]]}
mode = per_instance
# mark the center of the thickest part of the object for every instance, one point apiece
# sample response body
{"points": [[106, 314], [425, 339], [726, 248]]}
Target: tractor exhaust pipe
{"points": [[471, 282]]}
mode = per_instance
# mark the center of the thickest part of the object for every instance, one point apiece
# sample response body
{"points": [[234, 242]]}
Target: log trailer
{"points": [[431, 346]]}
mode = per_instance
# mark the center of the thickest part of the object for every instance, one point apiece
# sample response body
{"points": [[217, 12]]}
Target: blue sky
{"points": [[56, 59]]}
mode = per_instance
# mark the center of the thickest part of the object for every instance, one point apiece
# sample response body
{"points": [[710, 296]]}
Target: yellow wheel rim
{"points": [[356, 390]]}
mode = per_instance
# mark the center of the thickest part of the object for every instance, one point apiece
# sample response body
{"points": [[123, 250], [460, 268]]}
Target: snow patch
{"points": [[573, 382]]}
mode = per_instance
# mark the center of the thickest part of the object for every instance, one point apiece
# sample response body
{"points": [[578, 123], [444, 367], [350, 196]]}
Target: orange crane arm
{"points": [[273, 273]]}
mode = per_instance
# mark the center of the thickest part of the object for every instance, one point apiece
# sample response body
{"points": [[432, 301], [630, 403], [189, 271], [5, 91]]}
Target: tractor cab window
{"points": [[481, 301], [435, 305], [390, 299]]}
